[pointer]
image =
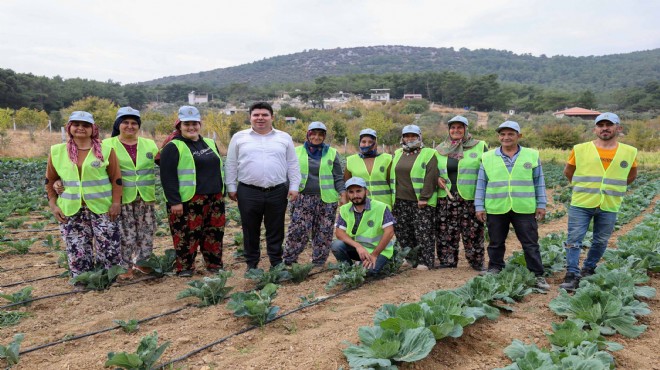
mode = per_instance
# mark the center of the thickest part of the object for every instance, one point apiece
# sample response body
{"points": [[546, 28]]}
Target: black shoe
{"points": [[571, 282], [587, 271], [479, 268], [185, 273], [492, 270], [446, 266]]}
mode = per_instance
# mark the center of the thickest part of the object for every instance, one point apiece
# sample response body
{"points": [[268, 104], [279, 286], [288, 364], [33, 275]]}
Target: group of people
{"points": [[428, 199]]}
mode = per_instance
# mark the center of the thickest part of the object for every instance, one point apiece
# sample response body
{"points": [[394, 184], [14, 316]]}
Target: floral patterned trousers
{"points": [[202, 225], [415, 228], [456, 219], [91, 241], [310, 216], [136, 224]]}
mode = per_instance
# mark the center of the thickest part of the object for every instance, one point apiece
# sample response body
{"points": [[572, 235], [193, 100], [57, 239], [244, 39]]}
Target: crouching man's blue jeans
{"points": [[346, 253], [578, 224]]}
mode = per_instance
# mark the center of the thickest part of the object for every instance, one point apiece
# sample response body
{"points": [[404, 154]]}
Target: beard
{"points": [[358, 201]]}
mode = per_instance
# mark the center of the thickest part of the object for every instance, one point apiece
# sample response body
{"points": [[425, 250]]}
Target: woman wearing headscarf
{"points": [[371, 166], [414, 177], [193, 182], [136, 159], [91, 200], [458, 161], [321, 188]]}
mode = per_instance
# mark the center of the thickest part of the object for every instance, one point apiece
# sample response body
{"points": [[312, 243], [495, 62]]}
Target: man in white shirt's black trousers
{"points": [[261, 171]]}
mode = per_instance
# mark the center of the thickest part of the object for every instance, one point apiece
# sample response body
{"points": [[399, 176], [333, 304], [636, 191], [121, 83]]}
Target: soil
{"points": [[309, 339]]}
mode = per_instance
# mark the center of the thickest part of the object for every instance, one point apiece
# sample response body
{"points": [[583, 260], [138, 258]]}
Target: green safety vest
{"points": [[468, 169], [186, 169], [417, 173], [370, 230], [139, 177], [92, 185], [326, 181], [510, 191], [379, 187], [593, 186]]}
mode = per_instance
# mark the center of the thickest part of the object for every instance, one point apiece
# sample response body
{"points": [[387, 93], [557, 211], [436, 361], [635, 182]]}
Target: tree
{"points": [[6, 118], [31, 119], [378, 121], [587, 99], [416, 106], [558, 135], [103, 110]]}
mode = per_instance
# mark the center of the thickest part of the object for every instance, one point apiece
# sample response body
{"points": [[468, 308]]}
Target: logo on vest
{"points": [[473, 155], [370, 223], [96, 164], [329, 162], [150, 155], [382, 168], [624, 164], [527, 165], [423, 165]]}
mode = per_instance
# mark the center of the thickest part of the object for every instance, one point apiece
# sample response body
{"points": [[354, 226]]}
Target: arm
{"points": [[569, 170], [169, 160], [293, 169], [480, 194], [231, 168], [430, 182], [632, 175], [364, 254], [114, 173], [539, 189], [51, 177], [339, 181]]}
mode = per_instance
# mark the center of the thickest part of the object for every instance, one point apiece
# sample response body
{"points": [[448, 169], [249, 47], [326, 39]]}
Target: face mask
{"points": [[413, 145]]}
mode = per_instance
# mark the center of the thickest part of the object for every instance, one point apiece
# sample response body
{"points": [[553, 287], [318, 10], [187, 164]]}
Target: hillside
{"points": [[564, 72]]}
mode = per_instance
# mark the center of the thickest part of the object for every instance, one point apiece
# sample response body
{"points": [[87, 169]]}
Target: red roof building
{"points": [[577, 112]]}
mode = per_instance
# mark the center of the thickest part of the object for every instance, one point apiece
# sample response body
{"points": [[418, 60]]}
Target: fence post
{"points": [[345, 142], [63, 134]]}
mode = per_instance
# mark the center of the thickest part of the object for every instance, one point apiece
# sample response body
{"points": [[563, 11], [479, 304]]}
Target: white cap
{"points": [[83, 116], [608, 116], [316, 125], [368, 131], [189, 113], [411, 129], [509, 124], [355, 181], [127, 111], [460, 119]]}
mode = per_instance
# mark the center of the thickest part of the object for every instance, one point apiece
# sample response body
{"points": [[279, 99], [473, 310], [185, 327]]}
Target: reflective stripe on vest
{"points": [[92, 185], [510, 191], [468, 170], [417, 173], [377, 184], [326, 181], [370, 230], [139, 177], [593, 186], [186, 169]]}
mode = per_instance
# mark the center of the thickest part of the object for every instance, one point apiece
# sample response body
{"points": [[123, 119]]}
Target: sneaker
{"points": [[422, 268], [587, 271], [492, 270], [406, 263], [541, 283], [571, 282], [479, 268], [185, 273]]}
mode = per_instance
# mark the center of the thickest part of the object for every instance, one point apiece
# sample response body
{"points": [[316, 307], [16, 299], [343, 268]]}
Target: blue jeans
{"points": [[346, 253], [578, 224]]}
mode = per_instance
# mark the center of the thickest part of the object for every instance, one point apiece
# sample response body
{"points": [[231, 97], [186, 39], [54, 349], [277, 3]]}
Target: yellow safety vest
{"points": [[139, 177], [186, 169], [593, 186], [417, 173], [326, 181], [379, 187], [370, 230], [510, 191], [92, 185], [468, 171]]}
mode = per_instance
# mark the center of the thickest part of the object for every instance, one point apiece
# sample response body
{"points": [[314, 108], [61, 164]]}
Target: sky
{"points": [[131, 41]]}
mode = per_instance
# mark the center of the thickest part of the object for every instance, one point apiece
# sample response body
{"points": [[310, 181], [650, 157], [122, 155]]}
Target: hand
{"points": [[343, 199], [115, 210], [57, 212], [177, 209], [369, 263], [422, 203], [364, 254], [293, 194], [441, 182], [232, 196], [58, 186], [481, 216], [540, 214]]}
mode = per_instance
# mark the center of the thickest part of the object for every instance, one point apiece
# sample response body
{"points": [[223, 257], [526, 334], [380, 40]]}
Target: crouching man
{"points": [[364, 229]]}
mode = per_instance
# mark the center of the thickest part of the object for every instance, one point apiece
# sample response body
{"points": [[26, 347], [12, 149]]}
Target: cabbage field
{"points": [[310, 318]]}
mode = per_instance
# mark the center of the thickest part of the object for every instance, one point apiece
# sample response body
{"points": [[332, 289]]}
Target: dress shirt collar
{"points": [[367, 206]]}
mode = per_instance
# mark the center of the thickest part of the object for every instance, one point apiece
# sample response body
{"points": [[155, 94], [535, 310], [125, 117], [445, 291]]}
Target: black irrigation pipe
{"points": [[30, 281], [42, 297], [252, 327], [76, 337]]}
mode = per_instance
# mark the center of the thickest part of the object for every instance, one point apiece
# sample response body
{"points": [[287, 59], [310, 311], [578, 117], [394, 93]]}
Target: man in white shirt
{"points": [[261, 170]]}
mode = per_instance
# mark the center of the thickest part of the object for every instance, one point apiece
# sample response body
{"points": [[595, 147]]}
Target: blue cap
{"points": [[411, 129], [127, 111], [509, 124], [608, 116], [316, 125], [460, 119], [355, 181], [188, 113], [368, 131], [81, 116]]}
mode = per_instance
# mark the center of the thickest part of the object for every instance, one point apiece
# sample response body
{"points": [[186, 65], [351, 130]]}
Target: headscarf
{"points": [[315, 151], [115, 126], [412, 146], [454, 148], [176, 132], [72, 148]]}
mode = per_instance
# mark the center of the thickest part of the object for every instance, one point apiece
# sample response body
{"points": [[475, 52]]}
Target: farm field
{"points": [[310, 338]]}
